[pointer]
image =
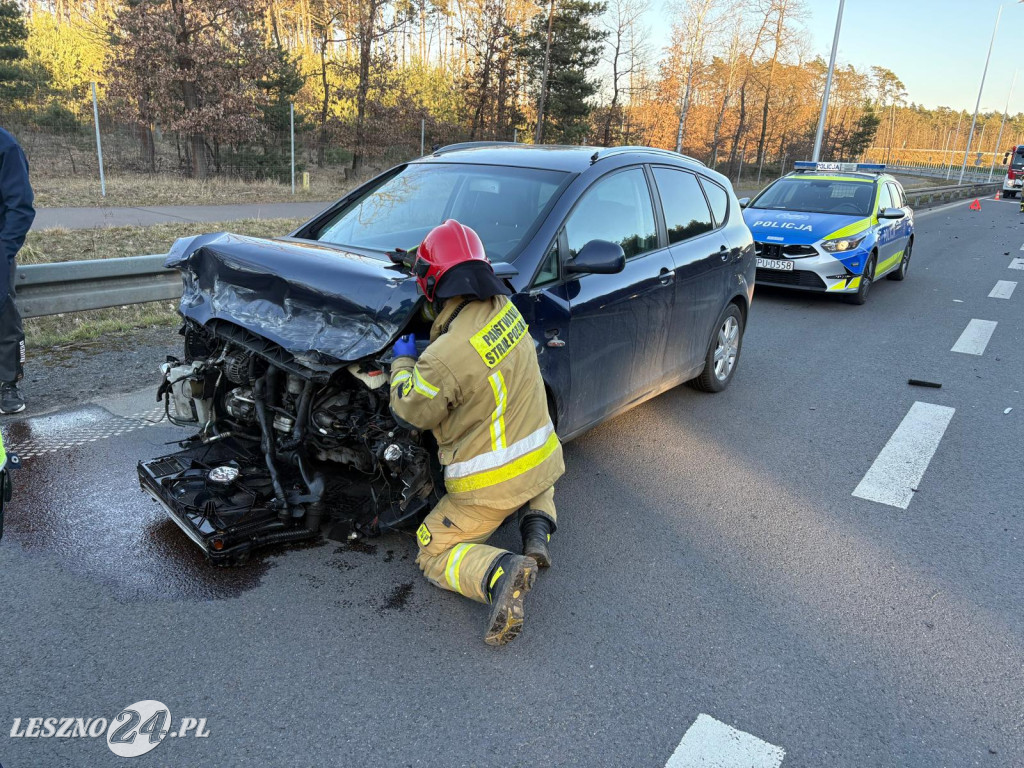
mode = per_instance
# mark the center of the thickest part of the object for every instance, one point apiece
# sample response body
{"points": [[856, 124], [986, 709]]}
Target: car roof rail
{"points": [[473, 145], [610, 151]]}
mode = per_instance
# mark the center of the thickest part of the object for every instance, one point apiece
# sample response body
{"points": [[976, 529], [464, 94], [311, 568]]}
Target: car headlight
{"points": [[842, 244]]}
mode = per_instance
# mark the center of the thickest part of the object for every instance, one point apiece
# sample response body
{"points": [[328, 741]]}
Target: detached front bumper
{"points": [[226, 520], [820, 272]]}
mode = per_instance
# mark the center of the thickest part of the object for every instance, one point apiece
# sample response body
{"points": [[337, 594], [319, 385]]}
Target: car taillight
{"points": [[1012, 174]]}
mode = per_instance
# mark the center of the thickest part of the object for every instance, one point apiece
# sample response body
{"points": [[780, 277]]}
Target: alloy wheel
{"points": [[727, 349]]}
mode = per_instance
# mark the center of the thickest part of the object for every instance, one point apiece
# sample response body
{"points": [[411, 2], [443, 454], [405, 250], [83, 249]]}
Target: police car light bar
{"points": [[802, 165]]}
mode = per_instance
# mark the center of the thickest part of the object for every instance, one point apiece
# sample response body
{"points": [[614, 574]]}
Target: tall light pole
{"points": [[999, 141], [977, 106], [953, 146], [828, 85]]}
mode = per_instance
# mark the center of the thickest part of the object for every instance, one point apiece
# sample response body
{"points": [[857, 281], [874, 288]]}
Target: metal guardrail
{"points": [[932, 195], [75, 286]]}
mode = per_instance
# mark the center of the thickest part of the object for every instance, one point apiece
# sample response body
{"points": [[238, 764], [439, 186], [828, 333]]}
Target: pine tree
{"points": [[575, 49], [864, 133], [15, 79]]}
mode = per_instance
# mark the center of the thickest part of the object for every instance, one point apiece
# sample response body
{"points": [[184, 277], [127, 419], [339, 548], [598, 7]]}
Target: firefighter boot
{"points": [[510, 579], [536, 532]]}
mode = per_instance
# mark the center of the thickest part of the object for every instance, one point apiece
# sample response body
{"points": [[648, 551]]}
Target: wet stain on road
{"points": [[399, 598], [87, 512], [356, 545]]}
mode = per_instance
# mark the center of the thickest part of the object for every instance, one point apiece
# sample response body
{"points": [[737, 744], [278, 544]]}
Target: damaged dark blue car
{"points": [[632, 266]]}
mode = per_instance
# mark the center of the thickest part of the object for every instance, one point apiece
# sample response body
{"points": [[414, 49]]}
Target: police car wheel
{"points": [[901, 273], [866, 279], [723, 355]]}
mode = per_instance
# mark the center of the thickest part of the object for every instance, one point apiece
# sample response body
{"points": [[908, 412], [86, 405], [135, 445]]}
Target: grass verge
{"points": [[48, 246], [76, 328], [57, 245], [169, 189]]}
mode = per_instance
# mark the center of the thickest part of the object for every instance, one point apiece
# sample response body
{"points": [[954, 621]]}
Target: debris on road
{"points": [[923, 383], [1007, 411]]}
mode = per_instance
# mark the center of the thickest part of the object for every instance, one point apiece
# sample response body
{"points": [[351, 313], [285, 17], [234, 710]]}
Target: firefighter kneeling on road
{"points": [[478, 387]]}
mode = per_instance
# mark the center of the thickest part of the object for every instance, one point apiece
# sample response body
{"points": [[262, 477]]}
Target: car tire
{"points": [[901, 274], [723, 355], [866, 279]]}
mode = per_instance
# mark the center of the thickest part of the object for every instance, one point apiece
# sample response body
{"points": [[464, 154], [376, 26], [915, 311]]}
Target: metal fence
{"points": [[76, 137], [50, 289]]}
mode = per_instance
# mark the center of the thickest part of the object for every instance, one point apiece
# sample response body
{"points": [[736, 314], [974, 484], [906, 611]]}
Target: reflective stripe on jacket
{"points": [[478, 388]]}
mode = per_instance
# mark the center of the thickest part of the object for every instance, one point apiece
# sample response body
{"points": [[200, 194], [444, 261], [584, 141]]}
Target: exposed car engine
{"points": [[286, 448]]}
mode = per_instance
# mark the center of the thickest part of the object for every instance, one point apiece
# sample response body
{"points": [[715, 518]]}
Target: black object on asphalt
{"points": [[922, 383]]}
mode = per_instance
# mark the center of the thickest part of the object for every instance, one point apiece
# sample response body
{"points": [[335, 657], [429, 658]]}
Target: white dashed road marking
{"points": [[975, 337], [1017, 264], [1003, 290], [896, 472], [43, 439], [711, 744]]}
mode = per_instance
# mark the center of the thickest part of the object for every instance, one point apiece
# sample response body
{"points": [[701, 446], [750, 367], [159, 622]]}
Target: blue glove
{"points": [[405, 346]]}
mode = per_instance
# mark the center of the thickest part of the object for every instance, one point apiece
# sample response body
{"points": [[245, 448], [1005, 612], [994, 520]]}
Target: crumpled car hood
{"points": [[315, 301]]}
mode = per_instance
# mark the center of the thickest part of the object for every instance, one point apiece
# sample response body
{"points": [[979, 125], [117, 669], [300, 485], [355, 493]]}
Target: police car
{"points": [[831, 227]]}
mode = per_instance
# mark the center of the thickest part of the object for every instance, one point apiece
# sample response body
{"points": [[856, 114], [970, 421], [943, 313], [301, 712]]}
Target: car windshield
{"points": [[501, 203], [811, 195], [1017, 163]]}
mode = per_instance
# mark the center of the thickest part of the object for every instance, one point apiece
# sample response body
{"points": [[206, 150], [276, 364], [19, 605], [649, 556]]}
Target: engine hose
{"points": [[302, 412], [284, 537], [267, 444]]}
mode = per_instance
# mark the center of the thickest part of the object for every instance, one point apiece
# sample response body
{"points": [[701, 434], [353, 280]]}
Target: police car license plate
{"points": [[782, 264]]}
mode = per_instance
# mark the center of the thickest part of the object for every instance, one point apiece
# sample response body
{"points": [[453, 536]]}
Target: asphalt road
{"points": [[92, 218], [719, 596]]}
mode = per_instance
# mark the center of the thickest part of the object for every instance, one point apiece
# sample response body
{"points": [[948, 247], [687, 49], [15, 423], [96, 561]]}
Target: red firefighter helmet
{"points": [[444, 247]]}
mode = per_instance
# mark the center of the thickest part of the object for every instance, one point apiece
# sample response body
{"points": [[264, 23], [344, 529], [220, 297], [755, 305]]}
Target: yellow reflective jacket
{"points": [[478, 388]]}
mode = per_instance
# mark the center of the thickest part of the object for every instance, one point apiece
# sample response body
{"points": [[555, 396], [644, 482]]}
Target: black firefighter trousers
{"points": [[12, 337]]}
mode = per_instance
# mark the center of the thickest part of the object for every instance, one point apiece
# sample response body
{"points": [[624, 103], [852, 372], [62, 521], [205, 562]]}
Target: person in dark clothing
{"points": [[16, 215]]}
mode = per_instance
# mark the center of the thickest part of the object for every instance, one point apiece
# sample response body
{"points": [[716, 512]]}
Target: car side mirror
{"points": [[598, 257], [744, 202], [891, 213]]}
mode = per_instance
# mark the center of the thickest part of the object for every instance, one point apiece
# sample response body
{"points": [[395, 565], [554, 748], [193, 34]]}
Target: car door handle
{"points": [[666, 275], [724, 252], [552, 336]]}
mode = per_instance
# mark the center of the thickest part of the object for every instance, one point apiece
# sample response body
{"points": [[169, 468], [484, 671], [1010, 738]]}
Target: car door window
{"points": [[686, 211], [548, 272], [617, 209], [719, 200], [897, 196], [885, 199]]}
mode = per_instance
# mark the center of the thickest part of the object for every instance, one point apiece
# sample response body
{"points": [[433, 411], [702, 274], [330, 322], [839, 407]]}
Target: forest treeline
{"points": [[736, 85]]}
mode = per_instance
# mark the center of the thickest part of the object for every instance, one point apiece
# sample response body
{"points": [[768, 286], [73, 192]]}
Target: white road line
{"points": [[941, 208], [897, 470], [975, 337], [1017, 264], [711, 744], [1022, 247], [1003, 290]]}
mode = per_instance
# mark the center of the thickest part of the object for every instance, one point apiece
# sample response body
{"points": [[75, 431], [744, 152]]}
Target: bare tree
{"points": [[620, 23]]}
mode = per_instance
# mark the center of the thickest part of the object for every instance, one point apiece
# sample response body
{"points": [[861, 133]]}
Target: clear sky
{"points": [[936, 47]]}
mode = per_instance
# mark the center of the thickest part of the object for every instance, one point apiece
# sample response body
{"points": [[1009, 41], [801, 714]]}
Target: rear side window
{"points": [[719, 200], [686, 211]]}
